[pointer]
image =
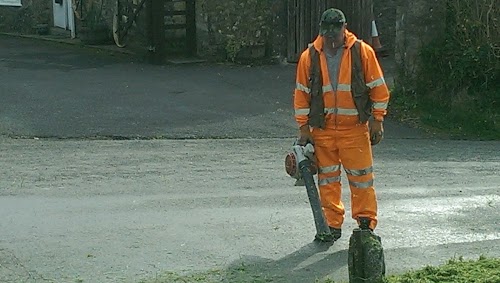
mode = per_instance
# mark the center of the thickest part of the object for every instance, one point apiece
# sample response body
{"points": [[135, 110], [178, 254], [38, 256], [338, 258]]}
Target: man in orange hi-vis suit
{"points": [[340, 85]]}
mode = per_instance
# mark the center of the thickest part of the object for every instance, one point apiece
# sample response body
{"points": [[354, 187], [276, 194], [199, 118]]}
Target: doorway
{"points": [[63, 15]]}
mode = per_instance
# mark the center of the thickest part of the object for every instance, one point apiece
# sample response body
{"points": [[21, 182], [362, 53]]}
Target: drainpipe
{"points": [[71, 19]]}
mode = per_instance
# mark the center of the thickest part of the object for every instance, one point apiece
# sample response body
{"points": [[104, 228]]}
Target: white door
{"points": [[63, 15]]}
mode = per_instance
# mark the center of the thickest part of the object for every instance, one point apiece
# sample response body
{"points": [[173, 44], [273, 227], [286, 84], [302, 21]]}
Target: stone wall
{"points": [[417, 22], [104, 10], [24, 19], [279, 27], [223, 27], [385, 17]]}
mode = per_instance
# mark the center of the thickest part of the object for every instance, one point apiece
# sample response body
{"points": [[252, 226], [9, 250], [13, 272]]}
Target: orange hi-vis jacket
{"points": [[340, 110]]}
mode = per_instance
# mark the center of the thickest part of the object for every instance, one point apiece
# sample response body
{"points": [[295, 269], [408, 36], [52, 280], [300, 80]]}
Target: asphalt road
{"points": [[120, 211], [50, 90]]}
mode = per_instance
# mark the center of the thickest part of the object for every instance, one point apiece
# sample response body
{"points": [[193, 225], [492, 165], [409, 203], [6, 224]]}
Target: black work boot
{"points": [[364, 223], [334, 235]]}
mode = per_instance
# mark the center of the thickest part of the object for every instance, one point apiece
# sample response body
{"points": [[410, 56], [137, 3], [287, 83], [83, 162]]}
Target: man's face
{"points": [[335, 35]]}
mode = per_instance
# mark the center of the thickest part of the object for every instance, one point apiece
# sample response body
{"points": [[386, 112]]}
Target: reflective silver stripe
{"points": [[344, 87], [380, 105], [326, 181], [327, 88], [303, 111], [329, 169], [361, 185], [341, 111], [360, 172], [376, 83], [352, 112], [303, 88]]}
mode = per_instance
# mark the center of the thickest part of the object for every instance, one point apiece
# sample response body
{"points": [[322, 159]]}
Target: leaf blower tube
{"points": [[303, 156]]}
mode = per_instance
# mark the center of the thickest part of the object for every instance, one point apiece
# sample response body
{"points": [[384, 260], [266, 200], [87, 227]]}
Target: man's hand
{"points": [[305, 135], [376, 132]]}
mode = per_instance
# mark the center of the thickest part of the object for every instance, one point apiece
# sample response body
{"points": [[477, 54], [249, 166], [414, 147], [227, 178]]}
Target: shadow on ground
{"points": [[311, 263], [307, 264]]}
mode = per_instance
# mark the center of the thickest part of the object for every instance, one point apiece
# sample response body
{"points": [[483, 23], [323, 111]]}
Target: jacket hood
{"points": [[350, 39]]}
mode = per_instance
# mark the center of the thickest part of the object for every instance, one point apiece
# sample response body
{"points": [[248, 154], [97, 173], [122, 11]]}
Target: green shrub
{"points": [[457, 87]]}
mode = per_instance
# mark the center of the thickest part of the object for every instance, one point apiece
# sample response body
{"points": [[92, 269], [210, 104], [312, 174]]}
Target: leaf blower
{"points": [[300, 165]]}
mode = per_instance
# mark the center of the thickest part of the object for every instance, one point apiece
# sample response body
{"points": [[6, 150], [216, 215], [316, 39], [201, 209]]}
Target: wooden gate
{"points": [[180, 27], [304, 16]]}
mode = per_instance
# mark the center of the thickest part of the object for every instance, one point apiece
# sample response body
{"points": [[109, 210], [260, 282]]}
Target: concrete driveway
{"points": [[79, 207]]}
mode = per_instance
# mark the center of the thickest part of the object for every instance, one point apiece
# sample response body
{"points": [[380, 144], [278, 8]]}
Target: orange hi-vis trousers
{"points": [[351, 149]]}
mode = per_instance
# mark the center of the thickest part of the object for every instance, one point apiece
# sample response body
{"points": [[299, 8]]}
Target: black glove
{"points": [[376, 132]]}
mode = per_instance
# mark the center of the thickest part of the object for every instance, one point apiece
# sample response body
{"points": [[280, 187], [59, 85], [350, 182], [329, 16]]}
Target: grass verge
{"points": [[464, 120], [482, 270]]}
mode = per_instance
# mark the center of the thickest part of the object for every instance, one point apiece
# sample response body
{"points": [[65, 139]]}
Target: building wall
{"points": [[220, 24], [23, 19], [385, 16], [417, 22], [217, 23]]}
